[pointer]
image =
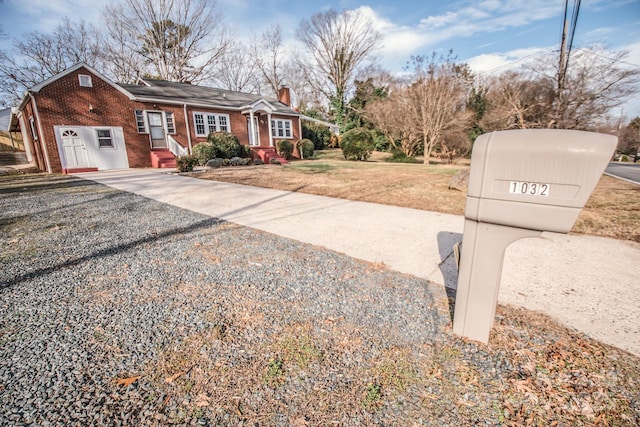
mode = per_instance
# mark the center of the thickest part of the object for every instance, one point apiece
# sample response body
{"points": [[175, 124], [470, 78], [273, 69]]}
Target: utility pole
{"points": [[563, 62]]}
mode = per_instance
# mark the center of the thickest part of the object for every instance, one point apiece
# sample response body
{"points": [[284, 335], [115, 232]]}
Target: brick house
{"points": [[79, 120]]}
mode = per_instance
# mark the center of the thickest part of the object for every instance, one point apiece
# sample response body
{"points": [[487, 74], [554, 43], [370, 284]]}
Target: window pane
{"points": [[222, 122], [211, 122], [170, 126], [142, 128], [199, 124], [104, 138]]}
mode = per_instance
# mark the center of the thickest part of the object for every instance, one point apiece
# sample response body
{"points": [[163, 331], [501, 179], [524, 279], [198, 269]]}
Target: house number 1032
{"points": [[529, 188]]}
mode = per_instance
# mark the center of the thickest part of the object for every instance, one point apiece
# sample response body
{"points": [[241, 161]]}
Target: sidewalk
{"points": [[587, 283]]}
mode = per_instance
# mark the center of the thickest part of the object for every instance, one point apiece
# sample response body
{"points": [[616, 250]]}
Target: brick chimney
{"points": [[284, 95]]}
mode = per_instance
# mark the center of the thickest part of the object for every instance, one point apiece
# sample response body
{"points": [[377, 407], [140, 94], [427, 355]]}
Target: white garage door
{"points": [[91, 147]]}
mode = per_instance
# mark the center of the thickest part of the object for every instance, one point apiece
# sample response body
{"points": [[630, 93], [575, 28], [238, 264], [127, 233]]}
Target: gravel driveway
{"points": [[119, 310]]}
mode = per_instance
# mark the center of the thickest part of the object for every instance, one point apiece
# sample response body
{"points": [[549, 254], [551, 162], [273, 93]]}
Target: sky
{"points": [[490, 35]]}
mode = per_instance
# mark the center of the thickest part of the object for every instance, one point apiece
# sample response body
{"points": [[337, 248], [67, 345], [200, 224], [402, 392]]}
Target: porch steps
{"points": [[162, 159], [11, 158], [266, 154]]}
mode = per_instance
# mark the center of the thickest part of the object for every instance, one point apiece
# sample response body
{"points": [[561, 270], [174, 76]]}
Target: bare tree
{"points": [[177, 40], [595, 82], [39, 56], [517, 100], [270, 59], [429, 109], [389, 118], [438, 98], [337, 45], [236, 70]]}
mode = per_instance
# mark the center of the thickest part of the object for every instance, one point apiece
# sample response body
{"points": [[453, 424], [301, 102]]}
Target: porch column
{"points": [[252, 130], [270, 134]]}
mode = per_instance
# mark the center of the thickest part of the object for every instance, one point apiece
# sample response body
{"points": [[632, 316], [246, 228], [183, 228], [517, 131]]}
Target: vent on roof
{"points": [[85, 80]]}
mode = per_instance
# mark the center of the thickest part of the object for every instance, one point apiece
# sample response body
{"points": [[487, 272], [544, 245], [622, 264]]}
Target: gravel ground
{"points": [[119, 310]]}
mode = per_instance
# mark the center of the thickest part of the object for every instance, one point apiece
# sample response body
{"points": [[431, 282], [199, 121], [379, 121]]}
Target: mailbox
{"points": [[521, 183]]}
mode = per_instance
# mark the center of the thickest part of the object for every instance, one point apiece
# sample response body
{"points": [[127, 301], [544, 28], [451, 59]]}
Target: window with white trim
{"points": [[281, 128], [205, 123], [85, 80], [105, 139], [168, 119], [142, 122]]}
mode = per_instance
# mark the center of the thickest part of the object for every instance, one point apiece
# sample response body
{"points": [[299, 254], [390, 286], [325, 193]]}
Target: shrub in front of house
{"points": [[186, 163], [284, 148], [215, 163], [398, 156], [236, 161], [221, 145], [204, 152], [258, 162], [226, 145], [305, 148], [357, 144]]}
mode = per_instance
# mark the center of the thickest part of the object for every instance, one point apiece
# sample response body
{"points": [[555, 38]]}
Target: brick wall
{"points": [[65, 103]]}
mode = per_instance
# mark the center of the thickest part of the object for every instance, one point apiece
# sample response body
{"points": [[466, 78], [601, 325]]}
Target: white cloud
{"points": [[503, 61], [435, 22], [401, 41]]}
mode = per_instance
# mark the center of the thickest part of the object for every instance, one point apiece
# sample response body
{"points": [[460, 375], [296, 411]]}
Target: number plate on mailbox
{"points": [[529, 188]]}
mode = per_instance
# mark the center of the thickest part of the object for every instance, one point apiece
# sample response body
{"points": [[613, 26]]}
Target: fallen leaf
{"points": [[174, 377], [202, 400], [126, 382]]}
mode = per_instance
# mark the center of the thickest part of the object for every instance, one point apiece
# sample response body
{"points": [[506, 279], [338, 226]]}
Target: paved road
{"points": [[626, 171], [585, 282]]}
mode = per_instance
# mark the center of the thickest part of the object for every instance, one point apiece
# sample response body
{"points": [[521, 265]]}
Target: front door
{"points": [[156, 129], [254, 132], [75, 152]]}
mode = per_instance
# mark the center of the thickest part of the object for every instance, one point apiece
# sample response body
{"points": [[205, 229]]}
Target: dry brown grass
{"points": [[613, 210], [548, 376]]}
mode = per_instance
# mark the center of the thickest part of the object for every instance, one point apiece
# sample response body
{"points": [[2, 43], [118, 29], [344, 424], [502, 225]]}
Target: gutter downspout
{"points": [[186, 123], [43, 142]]}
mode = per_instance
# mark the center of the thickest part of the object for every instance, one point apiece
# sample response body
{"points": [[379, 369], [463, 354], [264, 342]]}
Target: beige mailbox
{"points": [[521, 182]]}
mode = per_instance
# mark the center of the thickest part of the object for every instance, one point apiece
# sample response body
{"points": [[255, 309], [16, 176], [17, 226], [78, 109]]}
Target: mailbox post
{"points": [[521, 183]]}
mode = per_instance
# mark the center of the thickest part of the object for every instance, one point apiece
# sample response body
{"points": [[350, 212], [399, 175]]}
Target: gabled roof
{"points": [[162, 91], [183, 93], [76, 67]]}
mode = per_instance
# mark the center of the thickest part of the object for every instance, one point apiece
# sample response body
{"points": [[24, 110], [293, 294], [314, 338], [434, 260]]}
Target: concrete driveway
{"points": [[585, 282]]}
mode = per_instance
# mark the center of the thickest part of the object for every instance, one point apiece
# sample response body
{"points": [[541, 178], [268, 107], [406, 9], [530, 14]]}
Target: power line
{"points": [[574, 22]]}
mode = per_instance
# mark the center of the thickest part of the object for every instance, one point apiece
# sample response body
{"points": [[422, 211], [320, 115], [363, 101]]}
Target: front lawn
{"points": [[613, 210]]}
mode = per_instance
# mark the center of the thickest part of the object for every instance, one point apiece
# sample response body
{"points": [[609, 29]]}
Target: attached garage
{"points": [[91, 148]]}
